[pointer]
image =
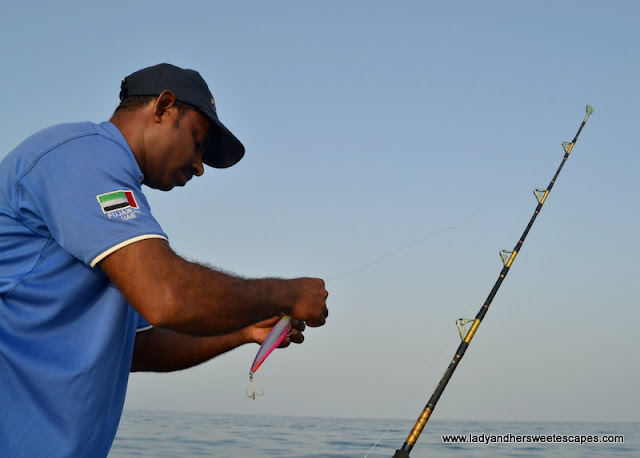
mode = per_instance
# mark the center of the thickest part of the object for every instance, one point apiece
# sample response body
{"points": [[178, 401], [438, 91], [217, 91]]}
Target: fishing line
{"points": [[392, 253], [281, 331], [430, 236], [378, 441]]}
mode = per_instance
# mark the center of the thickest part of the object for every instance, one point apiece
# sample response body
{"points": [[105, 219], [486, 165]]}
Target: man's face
{"points": [[173, 154]]}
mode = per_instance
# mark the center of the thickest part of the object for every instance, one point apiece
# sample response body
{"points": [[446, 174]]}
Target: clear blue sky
{"points": [[369, 126]]}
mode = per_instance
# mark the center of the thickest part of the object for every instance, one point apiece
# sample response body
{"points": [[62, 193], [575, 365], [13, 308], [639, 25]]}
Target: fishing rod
{"points": [[465, 336]]}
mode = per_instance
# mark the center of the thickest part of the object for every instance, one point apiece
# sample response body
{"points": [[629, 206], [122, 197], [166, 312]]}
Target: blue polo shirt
{"points": [[69, 196]]}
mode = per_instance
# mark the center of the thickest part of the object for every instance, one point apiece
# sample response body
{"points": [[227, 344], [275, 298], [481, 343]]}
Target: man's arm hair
{"points": [[173, 293]]}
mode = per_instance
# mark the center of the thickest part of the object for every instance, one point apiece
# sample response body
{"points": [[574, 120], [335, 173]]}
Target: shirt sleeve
{"points": [[86, 194]]}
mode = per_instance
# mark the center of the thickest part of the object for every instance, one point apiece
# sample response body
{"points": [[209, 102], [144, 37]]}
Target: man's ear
{"points": [[163, 103]]}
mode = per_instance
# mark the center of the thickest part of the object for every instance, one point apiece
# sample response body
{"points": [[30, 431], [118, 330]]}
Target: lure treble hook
{"points": [[254, 393]]}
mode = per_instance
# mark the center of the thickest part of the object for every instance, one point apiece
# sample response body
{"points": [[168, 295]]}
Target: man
{"points": [[89, 286]]}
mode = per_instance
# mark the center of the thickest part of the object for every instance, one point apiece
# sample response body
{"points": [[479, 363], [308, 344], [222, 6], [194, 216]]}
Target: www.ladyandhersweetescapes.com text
{"points": [[508, 438]]}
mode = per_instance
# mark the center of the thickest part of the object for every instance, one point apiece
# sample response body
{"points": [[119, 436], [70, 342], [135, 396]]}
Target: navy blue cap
{"points": [[188, 86]]}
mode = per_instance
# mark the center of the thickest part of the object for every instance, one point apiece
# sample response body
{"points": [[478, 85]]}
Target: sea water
{"points": [[174, 434]]}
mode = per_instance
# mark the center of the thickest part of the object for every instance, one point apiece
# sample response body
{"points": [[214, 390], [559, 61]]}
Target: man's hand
{"points": [[258, 332], [311, 303]]}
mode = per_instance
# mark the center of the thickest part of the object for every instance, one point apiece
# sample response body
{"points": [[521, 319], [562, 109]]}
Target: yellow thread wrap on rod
{"points": [[419, 426], [511, 258], [544, 197], [472, 330]]}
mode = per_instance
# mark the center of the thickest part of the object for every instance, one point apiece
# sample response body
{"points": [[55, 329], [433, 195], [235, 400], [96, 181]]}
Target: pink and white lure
{"points": [[273, 340]]}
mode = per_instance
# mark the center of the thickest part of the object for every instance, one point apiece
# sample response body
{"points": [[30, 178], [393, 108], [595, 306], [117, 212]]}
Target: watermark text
{"points": [[509, 438]]}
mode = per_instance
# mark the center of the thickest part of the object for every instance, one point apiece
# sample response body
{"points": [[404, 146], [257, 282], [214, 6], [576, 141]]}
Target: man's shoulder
{"points": [[49, 139], [59, 135], [71, 130], [69, 143]]}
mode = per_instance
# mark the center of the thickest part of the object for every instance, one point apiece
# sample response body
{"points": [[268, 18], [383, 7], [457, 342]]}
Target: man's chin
{"points": [[160, 187]]}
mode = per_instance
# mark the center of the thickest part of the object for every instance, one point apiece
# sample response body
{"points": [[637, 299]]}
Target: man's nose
{"points": [[198, 167]]}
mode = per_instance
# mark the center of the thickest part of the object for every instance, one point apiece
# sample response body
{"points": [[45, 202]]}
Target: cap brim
{"points": [[225, 149]]}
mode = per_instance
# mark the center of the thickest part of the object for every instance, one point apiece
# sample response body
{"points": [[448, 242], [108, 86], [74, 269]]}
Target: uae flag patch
{"points": [[117, 200]]}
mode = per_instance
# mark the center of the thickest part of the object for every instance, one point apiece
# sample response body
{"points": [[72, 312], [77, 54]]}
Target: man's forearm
{"points": [[163, 350], [172, 293]]}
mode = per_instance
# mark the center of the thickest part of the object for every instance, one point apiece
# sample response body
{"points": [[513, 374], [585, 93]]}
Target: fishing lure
{"points": [[281, 330]]}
